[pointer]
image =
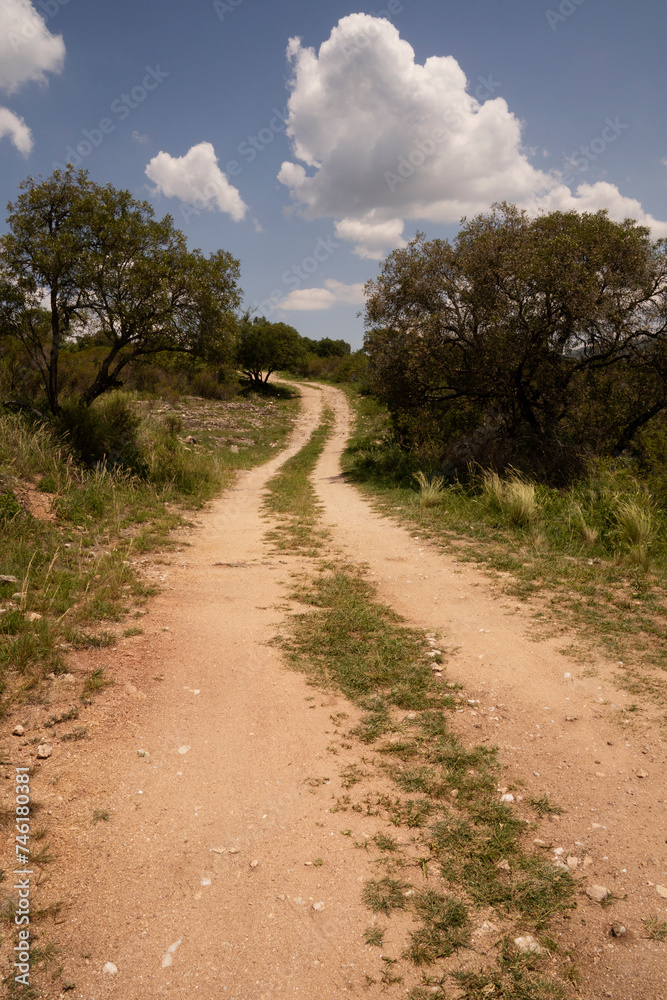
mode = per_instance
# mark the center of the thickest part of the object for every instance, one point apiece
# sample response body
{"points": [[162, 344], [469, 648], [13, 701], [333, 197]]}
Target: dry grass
{"points": [[514, 496], [430, 490]]}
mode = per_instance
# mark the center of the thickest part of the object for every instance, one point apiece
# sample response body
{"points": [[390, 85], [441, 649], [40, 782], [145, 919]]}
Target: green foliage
{"points": [[575, 542], [105, 432], [74, 239], [523, 343], [265, 347]]}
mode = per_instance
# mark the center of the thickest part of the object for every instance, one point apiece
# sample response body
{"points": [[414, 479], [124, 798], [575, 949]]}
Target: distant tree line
{"points": [[525, 342], [96, 293]]}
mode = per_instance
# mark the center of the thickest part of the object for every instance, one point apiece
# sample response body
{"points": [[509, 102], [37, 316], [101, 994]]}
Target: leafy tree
{"points": [[109, 271], [327, 348], [265, 347], [505, 337]]}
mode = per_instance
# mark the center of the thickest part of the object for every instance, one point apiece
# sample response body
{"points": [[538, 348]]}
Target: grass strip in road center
{"points": [[292, 500], [466, 844]]}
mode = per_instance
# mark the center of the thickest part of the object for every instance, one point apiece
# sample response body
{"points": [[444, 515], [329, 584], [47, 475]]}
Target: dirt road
{"points": [[218, 783]]}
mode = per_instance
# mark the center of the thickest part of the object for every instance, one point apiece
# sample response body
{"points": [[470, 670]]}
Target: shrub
{"points": [[105, 432]]}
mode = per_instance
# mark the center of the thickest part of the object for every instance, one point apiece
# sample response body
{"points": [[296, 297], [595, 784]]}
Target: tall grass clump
{"points": [[588, 534], [638, 528], [514, 497], [430, 490]]}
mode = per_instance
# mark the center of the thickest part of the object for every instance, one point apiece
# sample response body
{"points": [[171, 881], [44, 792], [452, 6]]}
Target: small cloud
{"points": [[140, 136], [664, 162], [258, 226], [17, 130], [318, 299], [197, 180]]}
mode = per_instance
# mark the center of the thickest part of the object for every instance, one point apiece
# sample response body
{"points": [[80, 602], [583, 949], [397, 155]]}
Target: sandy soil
{"points": [[211, 761]]}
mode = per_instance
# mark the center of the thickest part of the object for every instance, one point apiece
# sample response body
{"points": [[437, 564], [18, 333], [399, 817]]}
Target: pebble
{"points": [[233, 850], [44, 751], [661, 891], [318, 907], [504, 865], [598, 893], [572, 863], [618, 930], [486, 927], [254, 864], [110, 969], [642, 774], [508, 797], [33, 616], [18, 731], [185, 749], [528, 945], [8, 579], [219, 850]]}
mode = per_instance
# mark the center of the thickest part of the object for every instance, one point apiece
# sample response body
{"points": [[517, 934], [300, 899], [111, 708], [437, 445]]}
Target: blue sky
{"points": [[403, 116]]}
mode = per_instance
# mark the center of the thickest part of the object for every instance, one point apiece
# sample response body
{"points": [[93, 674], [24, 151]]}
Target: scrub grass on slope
{"points": [[593, 558]]}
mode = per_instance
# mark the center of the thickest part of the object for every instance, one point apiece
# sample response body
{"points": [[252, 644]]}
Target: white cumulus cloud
{"points": [[28, 51], [378, 139], [197, 180], [17, 130], [333, 293]]}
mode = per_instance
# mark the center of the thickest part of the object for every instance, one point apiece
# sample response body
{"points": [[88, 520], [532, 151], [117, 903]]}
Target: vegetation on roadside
{"points": [[73, 537], [466, 854], [595, 551], [532, 343]]}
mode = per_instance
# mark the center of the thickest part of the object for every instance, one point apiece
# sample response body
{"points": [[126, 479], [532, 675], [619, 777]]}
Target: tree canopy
{"points": [[83, 260], [265, 347], [523, 340]]}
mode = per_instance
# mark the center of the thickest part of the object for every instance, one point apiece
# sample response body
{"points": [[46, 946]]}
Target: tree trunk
{"points": [[55, 351], [632, 428]]}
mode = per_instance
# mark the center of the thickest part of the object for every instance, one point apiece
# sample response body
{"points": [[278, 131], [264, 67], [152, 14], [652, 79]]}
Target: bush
{"points": [[105, 432]]}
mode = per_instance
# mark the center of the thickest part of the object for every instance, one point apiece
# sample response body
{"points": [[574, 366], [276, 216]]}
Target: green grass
{"points": [[466, 845], [374, 936], [656, 928], [352, 644], [385, 894], [593, 557], [81, 572], [291, 499], [446, 927]]}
